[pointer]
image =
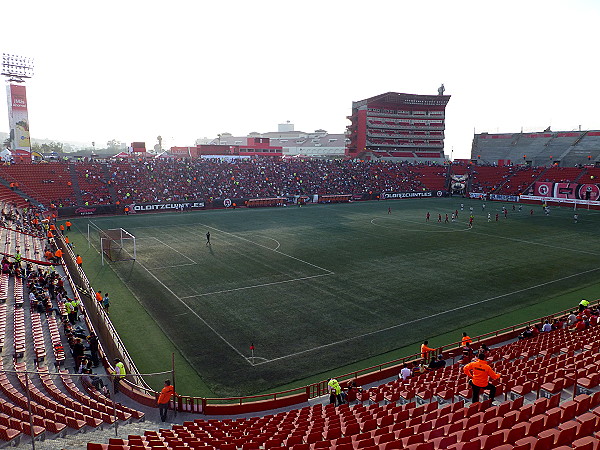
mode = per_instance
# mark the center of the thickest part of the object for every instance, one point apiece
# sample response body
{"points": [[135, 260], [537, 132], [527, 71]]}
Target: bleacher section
{"points": [[47, 183], [568, 148], [547, 394], [31, 386]]}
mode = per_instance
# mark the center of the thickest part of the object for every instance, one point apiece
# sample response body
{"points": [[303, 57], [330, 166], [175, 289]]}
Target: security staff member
{"points": [[479, 373]]}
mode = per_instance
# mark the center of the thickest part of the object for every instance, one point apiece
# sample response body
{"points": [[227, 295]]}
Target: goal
{"points": [[116, 244]]}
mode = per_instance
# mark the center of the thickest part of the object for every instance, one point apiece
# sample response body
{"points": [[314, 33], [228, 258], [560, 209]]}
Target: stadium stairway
{"points": [[75, 181]]}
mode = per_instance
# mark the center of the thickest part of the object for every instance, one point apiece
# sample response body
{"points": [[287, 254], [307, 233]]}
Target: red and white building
{"points": [[398, 127], [254, 146]]}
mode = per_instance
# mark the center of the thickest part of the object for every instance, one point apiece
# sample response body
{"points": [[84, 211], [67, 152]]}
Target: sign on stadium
{"points": [[140, 207], [422, 194]]}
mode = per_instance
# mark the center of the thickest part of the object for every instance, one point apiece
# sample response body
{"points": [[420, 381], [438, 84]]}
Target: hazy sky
{"points": [[133, 70]]}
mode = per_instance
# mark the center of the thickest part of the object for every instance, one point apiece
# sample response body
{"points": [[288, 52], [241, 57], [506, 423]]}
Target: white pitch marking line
{"points": [[535, 243], [258, 285], [427, 317], [278, 244], [173, 266], [418, 231], [194, 313], [264, 246], [175, 250]]}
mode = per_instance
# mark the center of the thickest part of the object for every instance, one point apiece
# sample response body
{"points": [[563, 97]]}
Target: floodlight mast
{"points": [[16, 68]]}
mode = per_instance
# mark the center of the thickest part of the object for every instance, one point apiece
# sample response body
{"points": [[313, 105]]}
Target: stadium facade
{"points": [[394, 126], [546, 148]]}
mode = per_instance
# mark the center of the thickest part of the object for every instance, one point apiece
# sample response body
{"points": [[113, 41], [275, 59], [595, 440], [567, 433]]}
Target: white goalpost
{"points": [[115, 244]]}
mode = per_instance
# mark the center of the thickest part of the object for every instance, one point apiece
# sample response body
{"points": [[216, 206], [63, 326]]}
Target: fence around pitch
{"points": [[97, 318]]}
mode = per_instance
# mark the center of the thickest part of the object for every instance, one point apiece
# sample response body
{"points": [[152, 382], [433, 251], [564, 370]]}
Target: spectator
{"points": [[547, 327], [93, 347], [405, 372], [438, 363], [351, 392], [106, 302], [479, 373], [571, 319]]}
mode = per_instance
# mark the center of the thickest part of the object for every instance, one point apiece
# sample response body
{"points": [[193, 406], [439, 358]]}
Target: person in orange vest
{"points": [[79, 261], [99, 297], [57, 255], [479, 373], [50, 235], [61, 228], [425, 349], [68, 225], [465, 339], [52, 227], [164, 399], [48, 254]]}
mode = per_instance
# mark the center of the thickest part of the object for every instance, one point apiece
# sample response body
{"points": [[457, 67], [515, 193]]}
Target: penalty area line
{"points": [[268, 248], [195, 314], [420, 319], [258, 285]]}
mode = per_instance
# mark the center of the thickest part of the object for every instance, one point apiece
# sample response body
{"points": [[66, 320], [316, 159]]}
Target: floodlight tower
{"points": [[17, 69]]}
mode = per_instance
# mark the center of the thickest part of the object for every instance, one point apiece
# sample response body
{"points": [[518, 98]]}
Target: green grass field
{"points": [[325, 288]]}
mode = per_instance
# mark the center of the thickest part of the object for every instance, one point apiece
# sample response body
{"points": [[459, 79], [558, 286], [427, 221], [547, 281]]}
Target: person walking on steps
{"points": [[164, 400]]}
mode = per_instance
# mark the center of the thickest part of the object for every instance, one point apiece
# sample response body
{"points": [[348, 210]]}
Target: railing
{"points": [[96, 315]]}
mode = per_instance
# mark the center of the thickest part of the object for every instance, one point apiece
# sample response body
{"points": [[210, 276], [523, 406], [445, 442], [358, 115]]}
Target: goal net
{"points": [[115, 244]]}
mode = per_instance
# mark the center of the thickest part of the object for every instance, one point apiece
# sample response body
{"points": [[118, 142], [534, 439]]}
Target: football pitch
{"points": [[321, 287]]}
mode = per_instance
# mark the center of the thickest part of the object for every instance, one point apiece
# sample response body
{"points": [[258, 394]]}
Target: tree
{"points": [[113, 144]]}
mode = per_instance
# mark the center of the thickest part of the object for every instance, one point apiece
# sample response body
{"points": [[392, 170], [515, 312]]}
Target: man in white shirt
{"points": [[405, 372]]}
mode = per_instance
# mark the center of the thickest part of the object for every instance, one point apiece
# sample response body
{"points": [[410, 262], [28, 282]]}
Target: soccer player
{"points": [[489, 217], [505, 212], [389, 210], [497, 217], [208, 238], [439, 218], [575, 217], [446, 221], [471, 221], [453, 217], [427, 217]]}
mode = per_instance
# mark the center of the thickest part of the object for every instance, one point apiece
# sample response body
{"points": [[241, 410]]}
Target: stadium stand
{"points": [[548, 397], [568, 148]]}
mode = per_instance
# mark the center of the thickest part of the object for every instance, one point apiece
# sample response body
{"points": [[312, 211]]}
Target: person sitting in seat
{"points": [[438, 363]]}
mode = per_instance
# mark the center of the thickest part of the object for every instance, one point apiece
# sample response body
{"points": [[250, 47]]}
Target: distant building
{"points": [[319, 144], [252, 146], [395, 126]]}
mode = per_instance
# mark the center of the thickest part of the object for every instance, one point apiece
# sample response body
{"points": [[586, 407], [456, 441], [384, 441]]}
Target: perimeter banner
{"points": [[422, 194], [86, 210], [18, 117], [562, 190], [170, 206]]}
